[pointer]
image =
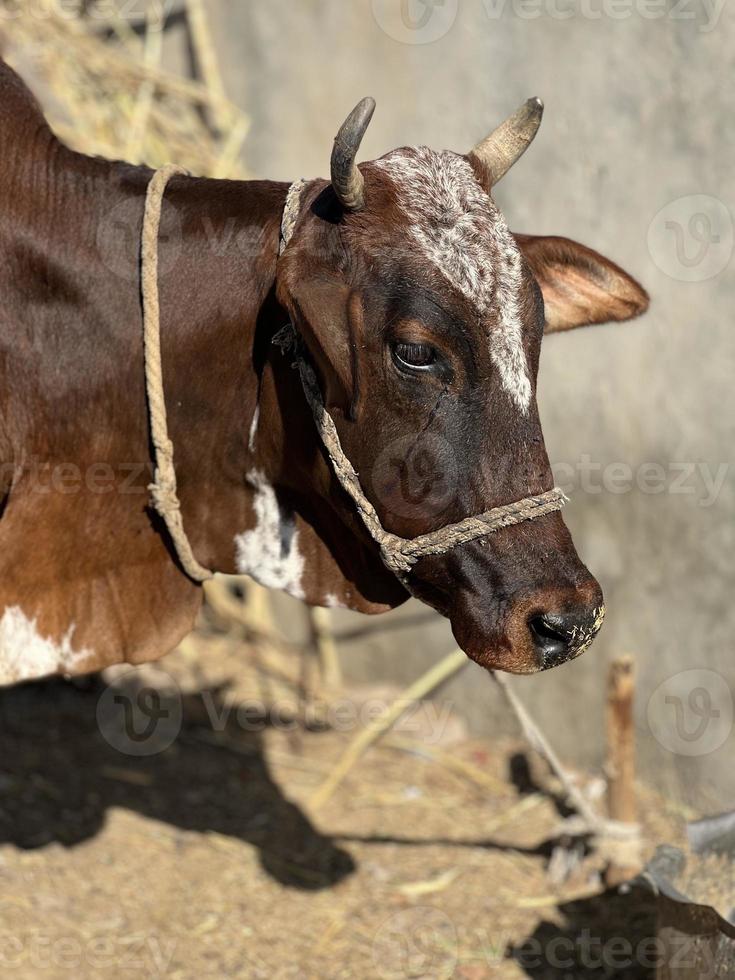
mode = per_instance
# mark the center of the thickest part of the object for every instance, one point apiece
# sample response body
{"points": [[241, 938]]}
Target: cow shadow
{"points": [[68, 754]]}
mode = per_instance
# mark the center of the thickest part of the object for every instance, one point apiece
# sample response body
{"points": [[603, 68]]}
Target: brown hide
{"points": [[87, 575]]}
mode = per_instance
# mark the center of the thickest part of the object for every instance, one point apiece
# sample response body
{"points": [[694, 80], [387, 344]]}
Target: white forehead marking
{"points": [[269, 552], [26, 655], [462, 233]]}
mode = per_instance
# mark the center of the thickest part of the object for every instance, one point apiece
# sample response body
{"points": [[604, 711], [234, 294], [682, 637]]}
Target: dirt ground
{"points": [[178, 840]]}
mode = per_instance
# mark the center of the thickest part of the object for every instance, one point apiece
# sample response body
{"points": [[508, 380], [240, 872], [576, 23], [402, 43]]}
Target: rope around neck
{"points": [[163, 489], [398, 554]]}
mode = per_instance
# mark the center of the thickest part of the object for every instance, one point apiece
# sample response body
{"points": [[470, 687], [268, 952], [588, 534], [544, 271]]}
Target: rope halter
{"points": [[398, 554]]}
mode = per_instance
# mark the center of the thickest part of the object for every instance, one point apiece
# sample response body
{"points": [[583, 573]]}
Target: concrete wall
{"points": [[639, 119]]}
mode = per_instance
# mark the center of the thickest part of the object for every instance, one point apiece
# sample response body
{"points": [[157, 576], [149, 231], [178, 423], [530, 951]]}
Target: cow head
{"points": [[423, 316]]}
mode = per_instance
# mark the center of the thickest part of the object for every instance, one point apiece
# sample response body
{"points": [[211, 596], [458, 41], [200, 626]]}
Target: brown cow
{"points": [[423, 317]]}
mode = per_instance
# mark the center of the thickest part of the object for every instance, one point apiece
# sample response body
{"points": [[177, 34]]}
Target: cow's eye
{"points": [[415, 356]]}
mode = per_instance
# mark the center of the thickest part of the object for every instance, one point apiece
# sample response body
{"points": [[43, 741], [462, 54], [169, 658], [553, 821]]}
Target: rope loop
{"points": [[163, 490]]}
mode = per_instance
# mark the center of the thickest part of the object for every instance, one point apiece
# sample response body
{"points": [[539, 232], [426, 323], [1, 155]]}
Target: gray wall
{"points": [[639, 118]]}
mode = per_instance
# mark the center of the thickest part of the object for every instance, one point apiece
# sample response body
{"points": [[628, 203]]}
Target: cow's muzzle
{"points": [[531, 632], [561, 636]]}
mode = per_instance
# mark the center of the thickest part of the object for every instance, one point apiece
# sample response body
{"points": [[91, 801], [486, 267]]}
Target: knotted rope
{"points": [[163, 489], [398, 554]]}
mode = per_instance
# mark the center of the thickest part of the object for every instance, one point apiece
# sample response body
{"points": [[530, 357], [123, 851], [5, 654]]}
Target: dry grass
{"points": [[109, 95]]}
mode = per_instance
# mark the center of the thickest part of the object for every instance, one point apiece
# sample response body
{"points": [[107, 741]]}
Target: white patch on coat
{"points": [[459, 229], [254, 429], [331, 601], [269, 552], [26, 655]]}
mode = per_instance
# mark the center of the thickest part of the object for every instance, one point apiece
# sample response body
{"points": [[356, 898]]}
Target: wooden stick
{"points": [[425, 685], [257, 608], [326, 648], [228, 160], [206, 56], [146, 92], [620, 765]]}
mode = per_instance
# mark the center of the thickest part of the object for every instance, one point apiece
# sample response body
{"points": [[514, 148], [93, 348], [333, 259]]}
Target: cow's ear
{"points": [[328, 316], [580, 286]]}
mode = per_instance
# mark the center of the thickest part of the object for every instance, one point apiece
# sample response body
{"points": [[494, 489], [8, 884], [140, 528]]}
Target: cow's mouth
{"points": [[529, 639]]}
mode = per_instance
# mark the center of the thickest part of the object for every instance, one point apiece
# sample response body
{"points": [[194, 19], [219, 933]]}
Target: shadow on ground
{"points": [[611, 936], [65, 759]]}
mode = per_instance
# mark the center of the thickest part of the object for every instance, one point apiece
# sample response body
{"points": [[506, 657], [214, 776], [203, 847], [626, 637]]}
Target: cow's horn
{"points": [[348, 182], [510, 140]]}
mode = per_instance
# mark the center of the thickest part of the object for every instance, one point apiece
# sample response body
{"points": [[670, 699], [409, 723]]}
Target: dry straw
{"points": [[105, 91]]}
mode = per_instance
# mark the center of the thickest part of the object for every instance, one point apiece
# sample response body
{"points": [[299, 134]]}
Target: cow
{"points": [[422, 316]]}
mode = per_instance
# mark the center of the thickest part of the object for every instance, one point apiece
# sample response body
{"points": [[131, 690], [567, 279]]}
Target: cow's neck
{"points": [[257, 494], [253, 485], [87, 575], [74, 438], [218, 256]]}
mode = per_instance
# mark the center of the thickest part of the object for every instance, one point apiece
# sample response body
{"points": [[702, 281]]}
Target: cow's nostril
{"points": [[558, 637], [551, 637]]}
